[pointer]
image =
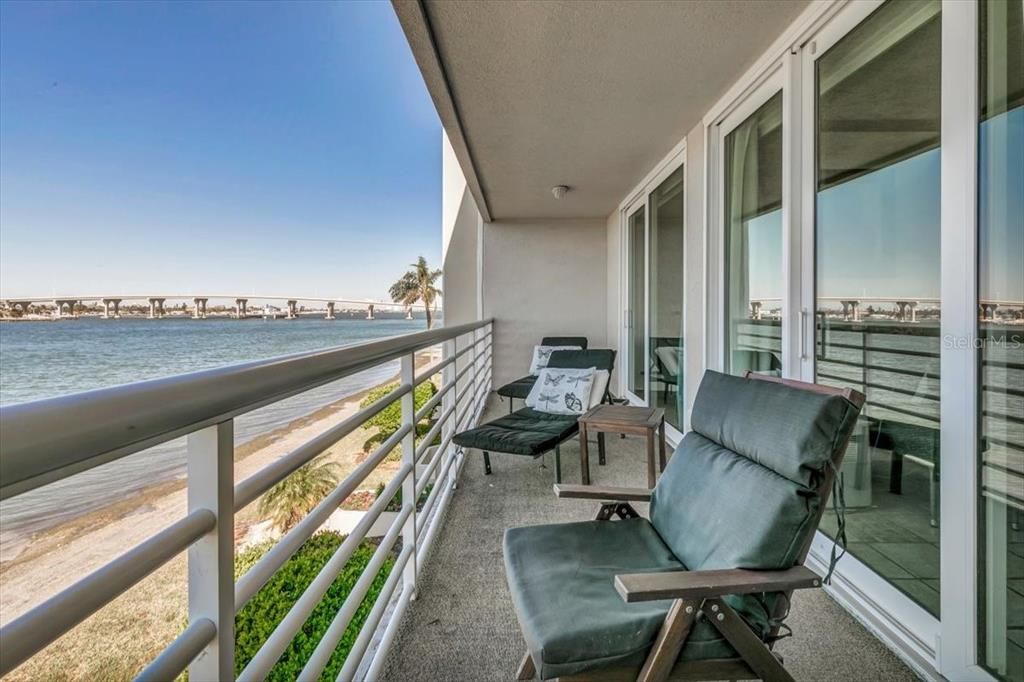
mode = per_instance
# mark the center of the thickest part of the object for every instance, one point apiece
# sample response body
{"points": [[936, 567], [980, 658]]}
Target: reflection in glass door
{"points": [[1001, 338], [636, 315], [666, 298], [753, 242], [877, 265]]}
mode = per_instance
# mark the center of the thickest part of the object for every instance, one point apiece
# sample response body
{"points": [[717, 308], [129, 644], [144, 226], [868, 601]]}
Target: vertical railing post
{"points": [[409, 460], [448, 350], [211, 570]]}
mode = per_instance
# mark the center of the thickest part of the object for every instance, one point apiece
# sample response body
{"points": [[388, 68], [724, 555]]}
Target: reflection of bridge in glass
{"points": [[67, 305], [904, 309]]}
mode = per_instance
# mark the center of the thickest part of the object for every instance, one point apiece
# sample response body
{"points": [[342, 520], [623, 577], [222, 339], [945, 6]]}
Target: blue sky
{"points": [[276, 148], [878, 235]]}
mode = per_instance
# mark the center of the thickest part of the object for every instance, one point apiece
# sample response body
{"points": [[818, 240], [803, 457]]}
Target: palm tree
{"points": [[290, 500], [418, 285]]}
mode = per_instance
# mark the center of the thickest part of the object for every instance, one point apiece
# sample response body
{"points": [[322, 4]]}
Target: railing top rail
{"points": [[47, 440]]}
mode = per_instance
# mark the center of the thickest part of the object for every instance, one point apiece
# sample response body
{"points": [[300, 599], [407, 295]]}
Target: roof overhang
{"points": [[535, 94]]}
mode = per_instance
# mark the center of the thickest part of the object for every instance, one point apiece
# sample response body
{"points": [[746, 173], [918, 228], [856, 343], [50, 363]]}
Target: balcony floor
{"points": [[462, 625]]}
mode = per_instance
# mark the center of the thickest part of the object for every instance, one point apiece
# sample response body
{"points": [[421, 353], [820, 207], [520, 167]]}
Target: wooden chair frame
{"points": [[698, 594]]}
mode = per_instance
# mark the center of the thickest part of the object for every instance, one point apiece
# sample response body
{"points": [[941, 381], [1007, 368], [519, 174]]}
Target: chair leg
{"points": [[527, 669], [674, 631], [749, 646], [558, 464], [487, 463]]}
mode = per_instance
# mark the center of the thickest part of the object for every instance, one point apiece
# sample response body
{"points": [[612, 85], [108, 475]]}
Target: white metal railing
{"points": [[49, 440]]}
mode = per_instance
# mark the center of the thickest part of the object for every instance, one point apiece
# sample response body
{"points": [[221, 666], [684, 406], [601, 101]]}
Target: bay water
{"points": [[45, 359]]}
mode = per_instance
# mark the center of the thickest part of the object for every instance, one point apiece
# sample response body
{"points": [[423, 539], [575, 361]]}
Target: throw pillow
{"points": [[562, 391]]}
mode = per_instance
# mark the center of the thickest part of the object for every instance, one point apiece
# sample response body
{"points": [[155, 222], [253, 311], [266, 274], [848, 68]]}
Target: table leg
{"points": [[600, 448], [651, 478], [661, 446], [584, 456]]}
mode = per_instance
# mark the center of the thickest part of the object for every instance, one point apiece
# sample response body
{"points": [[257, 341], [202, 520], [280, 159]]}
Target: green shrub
{"points": [[389, 420], [268, 607], [395, 504]]}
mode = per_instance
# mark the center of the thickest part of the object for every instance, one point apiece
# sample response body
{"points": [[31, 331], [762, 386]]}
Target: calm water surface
{"points": [[45, 359]]}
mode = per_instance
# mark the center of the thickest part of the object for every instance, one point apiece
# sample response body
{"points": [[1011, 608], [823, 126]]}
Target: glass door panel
{"points": [[877, 265], [1001, 338], [666, 298], [636, 245], [754, 280]]}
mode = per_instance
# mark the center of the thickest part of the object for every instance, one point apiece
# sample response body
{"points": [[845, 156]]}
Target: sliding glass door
{"points": [[653, 343], [753, 241], [636, 311], [665, 343], [1001, 338], [876, 290]]}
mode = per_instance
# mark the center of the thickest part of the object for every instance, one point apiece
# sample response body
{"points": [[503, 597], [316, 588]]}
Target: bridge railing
{"points": [[49, 440]]}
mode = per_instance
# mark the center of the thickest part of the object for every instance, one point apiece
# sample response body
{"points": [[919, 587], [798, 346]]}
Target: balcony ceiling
{"points": [[591, 95]]}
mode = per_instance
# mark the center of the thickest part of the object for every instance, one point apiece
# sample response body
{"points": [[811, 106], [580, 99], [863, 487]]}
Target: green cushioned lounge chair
{"points": [[699, 591], [531, 432], [520, 388]]}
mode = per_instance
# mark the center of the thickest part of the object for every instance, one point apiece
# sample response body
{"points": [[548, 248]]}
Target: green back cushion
{"points": [[599, 358], [741, 488], [580, 341], [789, 431]]}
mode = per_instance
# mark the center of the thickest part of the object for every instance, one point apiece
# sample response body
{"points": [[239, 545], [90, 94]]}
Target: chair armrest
{"points": [[637, 587], [601, 492]]}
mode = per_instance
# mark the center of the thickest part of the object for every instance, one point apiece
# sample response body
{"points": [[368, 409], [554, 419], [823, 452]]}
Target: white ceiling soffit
{"points": [[539, 93]]}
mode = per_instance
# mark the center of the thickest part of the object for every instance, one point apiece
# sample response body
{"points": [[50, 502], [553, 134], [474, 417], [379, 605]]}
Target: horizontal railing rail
{"points": [[47, 440], [50, 440]]}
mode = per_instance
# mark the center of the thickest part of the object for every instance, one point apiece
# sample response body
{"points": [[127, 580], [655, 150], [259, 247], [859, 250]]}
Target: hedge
{"points": [[268, 607]]}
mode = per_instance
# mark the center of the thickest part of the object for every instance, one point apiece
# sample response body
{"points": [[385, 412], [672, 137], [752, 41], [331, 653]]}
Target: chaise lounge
{"points": [[700, 591], [532, 432]]}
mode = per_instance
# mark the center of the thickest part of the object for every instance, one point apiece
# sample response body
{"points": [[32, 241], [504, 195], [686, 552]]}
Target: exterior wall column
{"points": [[330, 311]]}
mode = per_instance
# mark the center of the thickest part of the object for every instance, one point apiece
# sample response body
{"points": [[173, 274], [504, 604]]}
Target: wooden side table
{"points": [[640, 421]]}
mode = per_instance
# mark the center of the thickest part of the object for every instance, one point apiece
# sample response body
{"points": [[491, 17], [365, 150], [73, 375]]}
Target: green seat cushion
{"points": [[524, 432], [520, 388], [561, 577]]}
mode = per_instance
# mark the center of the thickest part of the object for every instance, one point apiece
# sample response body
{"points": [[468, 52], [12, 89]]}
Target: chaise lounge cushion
{"points": [[524, 432], [561, 578]]}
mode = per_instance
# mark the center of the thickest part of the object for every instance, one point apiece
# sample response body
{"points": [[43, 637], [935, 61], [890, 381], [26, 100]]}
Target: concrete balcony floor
{"points": [[462, 625]]}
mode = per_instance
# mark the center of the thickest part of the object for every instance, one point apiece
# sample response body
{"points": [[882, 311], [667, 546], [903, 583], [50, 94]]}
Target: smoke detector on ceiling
{"points": [[559, 191]]}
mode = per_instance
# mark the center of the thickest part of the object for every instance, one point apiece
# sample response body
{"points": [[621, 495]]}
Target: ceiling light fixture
{"points": [[559, 191]]}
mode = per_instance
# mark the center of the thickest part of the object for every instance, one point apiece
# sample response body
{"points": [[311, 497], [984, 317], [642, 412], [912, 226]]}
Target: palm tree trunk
{"points": [[430, 319]]}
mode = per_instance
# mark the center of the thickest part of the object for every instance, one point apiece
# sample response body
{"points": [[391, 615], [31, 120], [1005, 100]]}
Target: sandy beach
{"points": [[115, 642]]}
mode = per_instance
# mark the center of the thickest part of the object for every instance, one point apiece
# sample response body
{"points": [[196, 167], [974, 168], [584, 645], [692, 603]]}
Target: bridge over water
{"points": [[67, 305]]}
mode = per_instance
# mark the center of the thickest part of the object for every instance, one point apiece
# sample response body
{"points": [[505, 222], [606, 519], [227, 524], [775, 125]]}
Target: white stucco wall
{"points": [[460, 224], [543, 278]]}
